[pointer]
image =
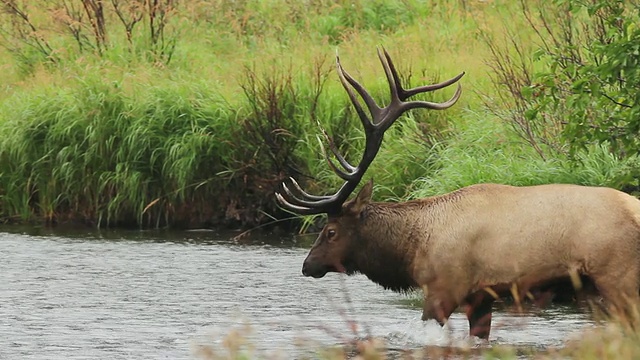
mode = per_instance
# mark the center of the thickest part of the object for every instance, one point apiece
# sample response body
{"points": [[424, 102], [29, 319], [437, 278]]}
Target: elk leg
{"points": [[438, 308], [620, 293], [479, 314]]}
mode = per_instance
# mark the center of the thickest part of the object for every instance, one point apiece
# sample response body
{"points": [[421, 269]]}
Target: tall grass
{"points": [[93, 153], [486, 151]]}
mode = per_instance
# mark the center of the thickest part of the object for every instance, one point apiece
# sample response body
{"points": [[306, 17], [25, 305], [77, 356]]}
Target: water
{"points": [[147, 295]]}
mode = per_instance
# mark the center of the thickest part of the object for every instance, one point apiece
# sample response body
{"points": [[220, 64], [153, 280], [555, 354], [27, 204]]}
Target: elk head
{"points": [[334, 248]]}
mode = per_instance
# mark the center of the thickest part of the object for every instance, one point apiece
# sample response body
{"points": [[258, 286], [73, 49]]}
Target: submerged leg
{"points": [[620, 294], [479, 314]]}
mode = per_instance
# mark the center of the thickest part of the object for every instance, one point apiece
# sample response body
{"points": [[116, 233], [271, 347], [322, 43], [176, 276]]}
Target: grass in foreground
{"points": [[612, 338]]}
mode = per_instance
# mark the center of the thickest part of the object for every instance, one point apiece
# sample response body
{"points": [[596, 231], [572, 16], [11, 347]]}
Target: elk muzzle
{"points": [[317, 266], [314, 268]]}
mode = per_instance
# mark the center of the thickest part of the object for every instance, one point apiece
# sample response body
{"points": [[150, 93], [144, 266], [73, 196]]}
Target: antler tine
{"points": [[392, 75], [313, 204], [288, 196], [348, 170], [341, 173], [434, 106], [304, 194], [301, 210], [425, 88], [345, 164], [374, 109], [324, 204], [397, 92]]}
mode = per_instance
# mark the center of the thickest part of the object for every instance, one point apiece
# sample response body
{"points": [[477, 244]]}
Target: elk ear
{"points": [[363, 198]]}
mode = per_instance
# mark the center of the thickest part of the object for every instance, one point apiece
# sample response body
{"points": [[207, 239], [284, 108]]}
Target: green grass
{"points": [[95, 153], [203, 138], [486, 152]]}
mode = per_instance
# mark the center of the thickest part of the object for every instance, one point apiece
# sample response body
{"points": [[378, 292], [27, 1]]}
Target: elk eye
{"points": [[331, 233]]}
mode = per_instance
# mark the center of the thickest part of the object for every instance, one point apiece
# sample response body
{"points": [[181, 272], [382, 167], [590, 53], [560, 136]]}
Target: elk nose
{"points": [[307, 269]]}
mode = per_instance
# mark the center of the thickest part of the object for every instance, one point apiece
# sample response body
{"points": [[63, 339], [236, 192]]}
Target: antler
{"points": [[297, 200]]}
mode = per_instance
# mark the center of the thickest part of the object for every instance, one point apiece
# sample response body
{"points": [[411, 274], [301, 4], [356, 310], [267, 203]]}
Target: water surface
{"points": [[156, 295]]}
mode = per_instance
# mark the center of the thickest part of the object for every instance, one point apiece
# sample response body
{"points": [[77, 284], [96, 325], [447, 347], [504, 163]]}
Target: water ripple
{"points": [[82, 297]]}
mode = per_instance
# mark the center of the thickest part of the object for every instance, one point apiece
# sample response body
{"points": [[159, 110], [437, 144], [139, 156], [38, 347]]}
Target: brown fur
{"points": [[457, 245]]}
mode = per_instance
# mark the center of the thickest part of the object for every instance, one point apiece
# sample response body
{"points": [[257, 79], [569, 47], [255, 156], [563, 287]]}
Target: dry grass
{"points": [[613, 337]]}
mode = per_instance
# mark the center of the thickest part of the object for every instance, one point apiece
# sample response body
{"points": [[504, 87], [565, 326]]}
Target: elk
{"points": [[468, 247]]}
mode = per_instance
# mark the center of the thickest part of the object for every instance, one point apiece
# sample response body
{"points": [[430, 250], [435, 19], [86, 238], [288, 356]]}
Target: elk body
{"points": [[467, 247]]}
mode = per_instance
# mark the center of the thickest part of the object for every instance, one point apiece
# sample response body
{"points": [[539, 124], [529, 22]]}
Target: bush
{"points": [[580, 88], [593, 74]]}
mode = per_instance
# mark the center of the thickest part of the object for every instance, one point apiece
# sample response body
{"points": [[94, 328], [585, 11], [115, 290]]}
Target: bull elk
{"points": [[469, 246]]}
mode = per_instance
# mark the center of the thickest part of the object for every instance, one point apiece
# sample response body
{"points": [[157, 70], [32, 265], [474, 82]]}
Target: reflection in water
{"points": [[150, 295]]}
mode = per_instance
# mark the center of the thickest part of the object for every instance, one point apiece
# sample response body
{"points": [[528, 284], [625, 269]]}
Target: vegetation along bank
{"points": [[189, 114]]}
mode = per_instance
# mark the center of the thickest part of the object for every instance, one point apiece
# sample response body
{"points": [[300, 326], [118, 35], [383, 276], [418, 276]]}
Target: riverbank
{"points": [[198, 127]]}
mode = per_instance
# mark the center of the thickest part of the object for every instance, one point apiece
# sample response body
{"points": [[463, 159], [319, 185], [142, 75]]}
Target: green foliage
{"points": [[94, 154], [343, 17], [136, 29], [199, 130], [98, 153], [593, 74], [486, 152]]}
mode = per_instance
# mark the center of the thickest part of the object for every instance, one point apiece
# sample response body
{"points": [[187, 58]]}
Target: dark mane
{"points": [[385, 269], [384, 255]]}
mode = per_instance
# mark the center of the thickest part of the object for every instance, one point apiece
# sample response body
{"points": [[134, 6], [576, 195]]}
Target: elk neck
{"points": [[387, 242]]}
